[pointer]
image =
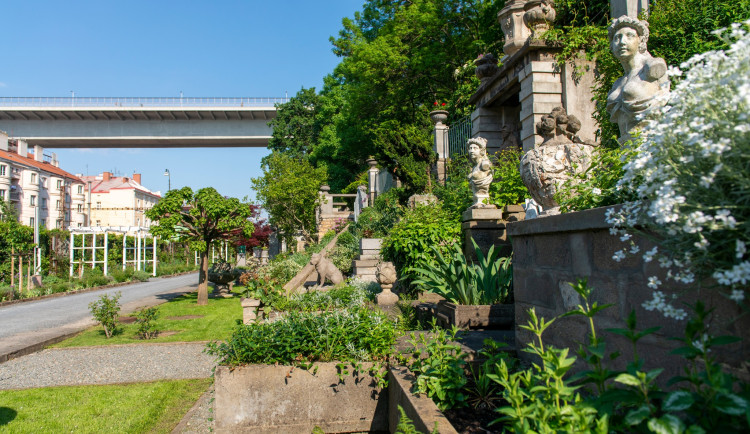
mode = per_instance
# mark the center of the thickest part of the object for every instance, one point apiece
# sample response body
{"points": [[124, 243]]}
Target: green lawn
{"points": [[142, 407], [216, 322]]}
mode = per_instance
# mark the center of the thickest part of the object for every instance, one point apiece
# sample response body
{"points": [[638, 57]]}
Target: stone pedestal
{"points": [[251, 310], [386, 274], [487, 228]]}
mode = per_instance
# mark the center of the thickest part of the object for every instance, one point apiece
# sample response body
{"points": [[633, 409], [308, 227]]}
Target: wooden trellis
{"points": [[139, 250]]}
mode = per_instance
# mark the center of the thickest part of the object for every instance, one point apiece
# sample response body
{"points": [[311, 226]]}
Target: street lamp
{"points": [[169, 179]]}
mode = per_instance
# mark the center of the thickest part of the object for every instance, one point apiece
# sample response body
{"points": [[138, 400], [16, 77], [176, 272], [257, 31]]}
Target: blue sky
{"points": [[159, 48]]}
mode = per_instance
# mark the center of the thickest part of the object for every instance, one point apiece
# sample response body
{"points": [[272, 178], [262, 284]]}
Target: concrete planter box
{"points": [[495, 316], [251, 311], [551, 251], [423, 413], [275, 399]]}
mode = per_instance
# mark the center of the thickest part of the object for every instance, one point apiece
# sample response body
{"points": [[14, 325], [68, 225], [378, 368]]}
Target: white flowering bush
{"points": [[691, 175]]}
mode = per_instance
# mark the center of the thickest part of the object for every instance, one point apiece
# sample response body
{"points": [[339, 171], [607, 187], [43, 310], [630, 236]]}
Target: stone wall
{"points": [[549, 252]]}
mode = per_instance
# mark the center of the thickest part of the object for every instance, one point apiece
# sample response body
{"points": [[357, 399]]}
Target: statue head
{"points": [[477, 148], [624, 24]]}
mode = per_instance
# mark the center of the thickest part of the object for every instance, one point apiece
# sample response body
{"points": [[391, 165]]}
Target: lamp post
{"points": [[169, 179]]}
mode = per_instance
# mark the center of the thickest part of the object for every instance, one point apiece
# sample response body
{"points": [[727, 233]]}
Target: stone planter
{"points": [[486, 67], [495, 316], [251, 310], [439, 116], [273, 399]]}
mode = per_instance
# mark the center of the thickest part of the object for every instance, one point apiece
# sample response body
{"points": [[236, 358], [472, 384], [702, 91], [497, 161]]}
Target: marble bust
{"points": [[645, 79], [480, 176]]}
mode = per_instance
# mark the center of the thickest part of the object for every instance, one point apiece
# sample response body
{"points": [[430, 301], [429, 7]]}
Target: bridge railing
{"points": [[141, 101]]}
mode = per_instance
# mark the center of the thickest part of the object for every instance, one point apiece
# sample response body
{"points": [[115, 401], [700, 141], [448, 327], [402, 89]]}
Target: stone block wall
{"points": [[550, 252]]}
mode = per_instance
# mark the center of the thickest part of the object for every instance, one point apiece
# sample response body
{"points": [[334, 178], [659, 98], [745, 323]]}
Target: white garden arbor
{"points": [[135, 255]]}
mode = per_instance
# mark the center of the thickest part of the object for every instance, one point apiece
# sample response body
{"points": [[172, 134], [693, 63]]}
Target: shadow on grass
{"points": [[6, 415]]}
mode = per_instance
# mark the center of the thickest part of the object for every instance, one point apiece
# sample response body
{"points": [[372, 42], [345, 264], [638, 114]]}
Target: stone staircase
{"points": [[365, 267]]}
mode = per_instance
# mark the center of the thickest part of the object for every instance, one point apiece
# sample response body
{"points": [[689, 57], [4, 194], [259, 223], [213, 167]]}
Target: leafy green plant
{"points": [[346, 249], [406, 426], [140, 276], [440, 373], [489, 281], [409, 244], [122, 275], [105, 311], [507, 187], [145, 320], [484, 393], [336, 298]]}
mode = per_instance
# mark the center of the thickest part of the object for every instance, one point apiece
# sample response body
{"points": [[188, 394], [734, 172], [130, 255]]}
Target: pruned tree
{"points": [[200, 218]]}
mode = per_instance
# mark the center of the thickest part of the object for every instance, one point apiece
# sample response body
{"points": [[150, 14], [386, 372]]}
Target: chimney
{"points": [[137, 177], [38, 153], [23, 148], [106, 176], [3, 141]]}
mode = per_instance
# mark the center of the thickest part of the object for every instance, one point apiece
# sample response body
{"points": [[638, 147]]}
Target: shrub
{"points": [[377, 220], [284, 267], [409, 244], [488, 281], [507, 187], [346, 249], [336, 298], [122, 275], [300, 339], [145, 320], [94, 277], [105, 311], [140, 276]]}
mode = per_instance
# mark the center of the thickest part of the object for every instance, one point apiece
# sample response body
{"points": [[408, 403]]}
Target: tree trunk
{"points": [[203, 280]]}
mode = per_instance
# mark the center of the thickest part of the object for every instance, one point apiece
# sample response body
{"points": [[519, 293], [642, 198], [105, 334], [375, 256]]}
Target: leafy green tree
{"points": [[288, 190], [200, 218], [295, 128], [14, 237]]}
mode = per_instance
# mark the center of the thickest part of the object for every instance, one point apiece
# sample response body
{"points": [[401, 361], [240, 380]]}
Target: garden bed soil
{"points": [[469, 420]]}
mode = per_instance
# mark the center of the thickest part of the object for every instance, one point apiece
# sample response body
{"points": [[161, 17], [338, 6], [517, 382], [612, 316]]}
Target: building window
{"points": [[58, 223], [2, 194], [98, 205], [3, 170], [80, 225], [80, 189], [57, 204], [33, 178], [31, 221], [98, 222], [32, 200], [44, 182], [59, 184], [44, 203], [80, 208]]}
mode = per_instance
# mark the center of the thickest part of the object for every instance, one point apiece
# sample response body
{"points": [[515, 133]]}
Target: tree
{"points": [[200, 218], [260, 234], [14, 237], [288, 190], [295, 129]]}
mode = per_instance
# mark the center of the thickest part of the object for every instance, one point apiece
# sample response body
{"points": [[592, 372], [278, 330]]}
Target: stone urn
{"points": [[439, 117], [486, 67], [511, 21], [221, 274], [539, 16], [555, 161], [386, 275]]}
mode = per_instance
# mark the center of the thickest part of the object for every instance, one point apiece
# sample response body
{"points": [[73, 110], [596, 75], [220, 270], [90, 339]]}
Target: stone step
{"points": [[366, 262], [369, 257]]}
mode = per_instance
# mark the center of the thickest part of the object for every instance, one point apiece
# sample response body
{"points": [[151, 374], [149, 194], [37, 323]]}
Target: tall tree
{"points": [[200, 218], [289, 190]]}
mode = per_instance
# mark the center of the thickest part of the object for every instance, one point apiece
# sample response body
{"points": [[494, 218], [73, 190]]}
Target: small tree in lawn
{"points": [[199, 218]]}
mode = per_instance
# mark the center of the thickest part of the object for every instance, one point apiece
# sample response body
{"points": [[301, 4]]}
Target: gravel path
{"points": [[107, 365]]}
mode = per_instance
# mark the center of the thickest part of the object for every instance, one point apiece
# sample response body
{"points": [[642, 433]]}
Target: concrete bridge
{"points": [[73, 122]]}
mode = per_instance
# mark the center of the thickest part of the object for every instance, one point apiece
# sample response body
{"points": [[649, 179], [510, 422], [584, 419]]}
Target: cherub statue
{"points": [[645, 78], [480, 176]]}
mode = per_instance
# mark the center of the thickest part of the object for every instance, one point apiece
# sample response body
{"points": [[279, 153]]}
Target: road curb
{"points": [[33, 348]]}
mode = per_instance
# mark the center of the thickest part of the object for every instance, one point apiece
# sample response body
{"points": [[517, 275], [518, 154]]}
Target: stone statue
{"points": [[645, 83], [480, 176], [326, 270], [562, 154], [386, 275]]}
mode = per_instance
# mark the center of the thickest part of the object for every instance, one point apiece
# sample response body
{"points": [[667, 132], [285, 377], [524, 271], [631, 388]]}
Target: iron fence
{"points": [[458, 134]]}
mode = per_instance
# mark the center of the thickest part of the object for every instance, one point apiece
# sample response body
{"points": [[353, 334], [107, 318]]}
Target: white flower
{"points": [[634, 249], [653, 282], [649, 256], [618, 256], [741, 249], [737, 295], [596, 191]]}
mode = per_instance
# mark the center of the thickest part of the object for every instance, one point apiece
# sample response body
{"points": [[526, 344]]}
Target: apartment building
{"points": [[119, 200], [33, 182]]}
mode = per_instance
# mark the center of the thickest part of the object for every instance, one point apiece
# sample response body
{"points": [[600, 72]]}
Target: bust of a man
{"points": [[645, 78], [480, 176]]}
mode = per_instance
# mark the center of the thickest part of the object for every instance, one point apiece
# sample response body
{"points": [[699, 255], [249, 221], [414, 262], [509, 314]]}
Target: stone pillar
{"points": [[541, 91], [631, 8], [440, 142], [372, 178]]}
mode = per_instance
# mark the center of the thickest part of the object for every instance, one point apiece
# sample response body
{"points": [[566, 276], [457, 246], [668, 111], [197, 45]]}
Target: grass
{"points": [[143, 407], [217, 322]]}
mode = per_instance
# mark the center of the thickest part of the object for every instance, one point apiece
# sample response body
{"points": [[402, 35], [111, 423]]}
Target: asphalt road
{"points": [[25, 325]]}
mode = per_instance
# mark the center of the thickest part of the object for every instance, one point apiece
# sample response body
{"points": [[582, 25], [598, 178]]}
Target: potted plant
{"points": [[476, 295]]}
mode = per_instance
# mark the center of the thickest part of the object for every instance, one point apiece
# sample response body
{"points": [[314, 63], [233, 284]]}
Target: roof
{"points": [[99, 185], [45, 166]]}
